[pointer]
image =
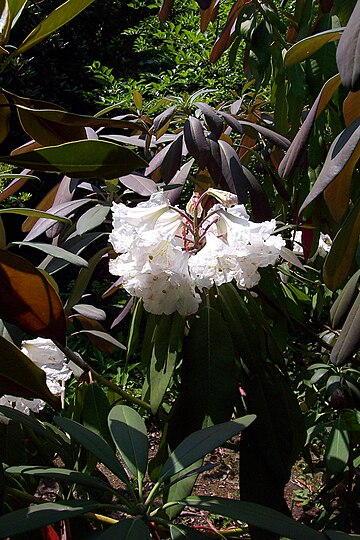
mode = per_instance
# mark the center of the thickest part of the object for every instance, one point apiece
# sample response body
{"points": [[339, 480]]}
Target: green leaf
{"points": [[209, 384], [92, 218], [255, 514], [96, 408], [16, 7], [4, 21], [349, 339], [127, 529], [55, 251], [340, 259], [28, 300], [337, 447], [129, 433], [82, 159], [36, 516], [34, 213], [306, 47], [55, 20], [182, 532], [67, 476], [94, 444], [200, 443], [29, 422], [166, 344]]}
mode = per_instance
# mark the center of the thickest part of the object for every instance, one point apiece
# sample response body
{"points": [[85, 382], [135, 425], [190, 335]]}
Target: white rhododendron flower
{"points": [[323, 249], [168, 257], [49, 358]]}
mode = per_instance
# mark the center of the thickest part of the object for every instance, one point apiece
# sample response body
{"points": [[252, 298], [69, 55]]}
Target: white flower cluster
{"points": [[48, 357], [167, 257]]}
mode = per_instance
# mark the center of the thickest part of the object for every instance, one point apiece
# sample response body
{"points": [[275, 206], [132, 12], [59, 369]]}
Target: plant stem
{"points": [[100, 379]]}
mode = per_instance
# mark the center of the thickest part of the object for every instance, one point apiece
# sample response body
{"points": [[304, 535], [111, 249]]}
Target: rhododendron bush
{"points": [[192, 265]]}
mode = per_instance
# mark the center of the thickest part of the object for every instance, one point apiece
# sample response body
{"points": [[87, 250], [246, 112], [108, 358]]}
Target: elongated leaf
{"points": [[209, 386], [92, 218], [340, 259], [250, 128], [55, 251], [200, 443], [82, 159], [345, 147], [224, 41], [163, 359], [295, 154], [349, 339], [348, 52], [213, 120], [208, 15], [163, 119], [36, 516], [232, 172], [165, 9], [57, 18], [342, 304], [28, 300], [31, 423], [94, 444], [16, 7], [127, 529], [67, 476], [19, 376], [90, 311], [179, 179], [83, 279], [34, 213], [4, 117], [103, 335], [196, 142], [140, 184], [96, 408], [129, 433], [257, 515], [337, 447], [4, 22], [172, 160], [306, 47]]}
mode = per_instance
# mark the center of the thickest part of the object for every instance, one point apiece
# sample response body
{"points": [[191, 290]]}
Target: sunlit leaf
{"points": [[82, 159], [28, 300], [337, 447], [195, 141], [92, 218], [130, 436], [55, 251], [224, 41], [140, 184], [349, 339], [343, 302], [4, 21], [306, 47], [57, 18]]}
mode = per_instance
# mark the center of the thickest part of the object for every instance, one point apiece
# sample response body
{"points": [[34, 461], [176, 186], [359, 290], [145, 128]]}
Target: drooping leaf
{"points": [[250, 128], [200, 443], [340, 259], [195, 141], [68, 476], [94, 444], [104, 336], [90, 311], [257, 515], [75, 244], [82, 159], [163, 120], [34, 213], [306, 47], [4, 117], [342, 304], [165, 9], [209, 387], [348, 52], [349, 339], [295, 153], [337, 447], [28, 300], [19, 376], [55, 20], [183, 532], [227, 35], [351, 107], [33, 517], [55, 251], [344, 149], [208, 15], [179, 180], [166, 345], [213, 120], [127, 529], [5, 20], [96, 408], [172, 160], [129, 433], [232, 172]]}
